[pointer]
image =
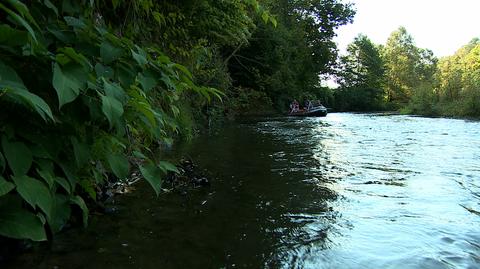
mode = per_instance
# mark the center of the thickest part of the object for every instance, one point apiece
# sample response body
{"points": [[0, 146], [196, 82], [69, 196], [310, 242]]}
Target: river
{"points": [[344, 191]]}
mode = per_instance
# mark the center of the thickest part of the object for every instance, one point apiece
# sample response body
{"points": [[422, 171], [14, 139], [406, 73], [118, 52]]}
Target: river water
{"points": [[344, 191]]}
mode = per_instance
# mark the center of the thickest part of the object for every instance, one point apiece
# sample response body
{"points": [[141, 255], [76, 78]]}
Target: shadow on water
{"points": [[261, 206], [345, 191]]}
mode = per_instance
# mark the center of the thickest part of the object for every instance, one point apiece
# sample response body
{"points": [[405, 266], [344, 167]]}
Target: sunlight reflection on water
{"points": [[400, 178]]}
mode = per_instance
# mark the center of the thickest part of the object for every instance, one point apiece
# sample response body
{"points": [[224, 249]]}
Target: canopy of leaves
{"points": [[406, 66], [287, 62], [361, 77], [458, 90]]}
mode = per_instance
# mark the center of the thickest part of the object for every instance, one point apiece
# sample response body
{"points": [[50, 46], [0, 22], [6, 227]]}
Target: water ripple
{"points": [[403, 179]]}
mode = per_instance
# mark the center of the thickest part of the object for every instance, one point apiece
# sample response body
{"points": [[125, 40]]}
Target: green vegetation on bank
{"points": [[90, 90], [399, 75], [80, 106], [286, 62]]}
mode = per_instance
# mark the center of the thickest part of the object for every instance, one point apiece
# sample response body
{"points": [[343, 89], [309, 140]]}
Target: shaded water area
{"points": [[345, 191]]}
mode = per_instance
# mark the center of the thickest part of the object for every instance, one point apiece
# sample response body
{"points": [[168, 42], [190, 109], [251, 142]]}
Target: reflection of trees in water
{"points": [[302, 164]]}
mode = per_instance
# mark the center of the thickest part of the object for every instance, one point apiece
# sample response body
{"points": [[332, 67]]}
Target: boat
{"points": [[314, 111]]}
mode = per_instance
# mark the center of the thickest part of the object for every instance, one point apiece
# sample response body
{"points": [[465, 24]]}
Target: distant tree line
{"points": [[399, 75]]}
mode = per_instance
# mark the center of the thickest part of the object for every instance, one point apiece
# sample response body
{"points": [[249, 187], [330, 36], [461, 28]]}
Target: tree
{"points": [[407, 67], [362, 66], [286, 62], [400, 55], [361, 76], [459, 81]]}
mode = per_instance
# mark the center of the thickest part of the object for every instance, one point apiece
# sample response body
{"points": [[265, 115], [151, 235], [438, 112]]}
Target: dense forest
{"points": [[91, 91], [399, 75]]}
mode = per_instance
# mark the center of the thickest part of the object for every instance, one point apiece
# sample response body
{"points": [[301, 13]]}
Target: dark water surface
{"points": [[345, 191]]}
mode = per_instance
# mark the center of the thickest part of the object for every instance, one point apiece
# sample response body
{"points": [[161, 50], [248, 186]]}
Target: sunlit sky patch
{"points": [[440, 25]]}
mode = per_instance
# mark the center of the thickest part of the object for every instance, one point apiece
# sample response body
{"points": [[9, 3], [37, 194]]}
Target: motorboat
{"points": [[313, 111]]}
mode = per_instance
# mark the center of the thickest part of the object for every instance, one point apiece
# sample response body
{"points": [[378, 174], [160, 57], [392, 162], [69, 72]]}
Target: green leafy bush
{"points": [[77, 103]]}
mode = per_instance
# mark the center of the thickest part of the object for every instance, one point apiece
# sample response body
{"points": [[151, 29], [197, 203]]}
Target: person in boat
{"points": [[294, 106], [308, 105]]}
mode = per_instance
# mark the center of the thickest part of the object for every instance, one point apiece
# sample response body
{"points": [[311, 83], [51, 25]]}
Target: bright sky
{"points": [[440, 25]]}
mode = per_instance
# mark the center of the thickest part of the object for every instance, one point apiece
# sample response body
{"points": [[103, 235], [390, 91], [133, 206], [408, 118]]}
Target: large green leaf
{"points": [[68, 170], [109, 52], [51, 6], [18, 155], [168, 82], [125, 74], [9, 78], [23, 10], [273, 21], [114, 90], [166, 166], [35, 193], [265, 17], [76, 56], [139, 155], [104, 71], [64, 183], [39, 150], [79, 201], [153, 175], [68, 81], [64, 36], [146, 110], [81, 152], [99, 176], [94, 107], [32, 101], [75, 22], [147, 80], [112, 109], [60, 213], [47, 176], [12, 37], [5, 186], [119, 165], [19, 20], [89, 187], [140, 56], [21, 224]]}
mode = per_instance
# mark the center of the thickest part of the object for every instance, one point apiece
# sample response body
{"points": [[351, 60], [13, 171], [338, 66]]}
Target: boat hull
{"points": [[316, 112]]}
